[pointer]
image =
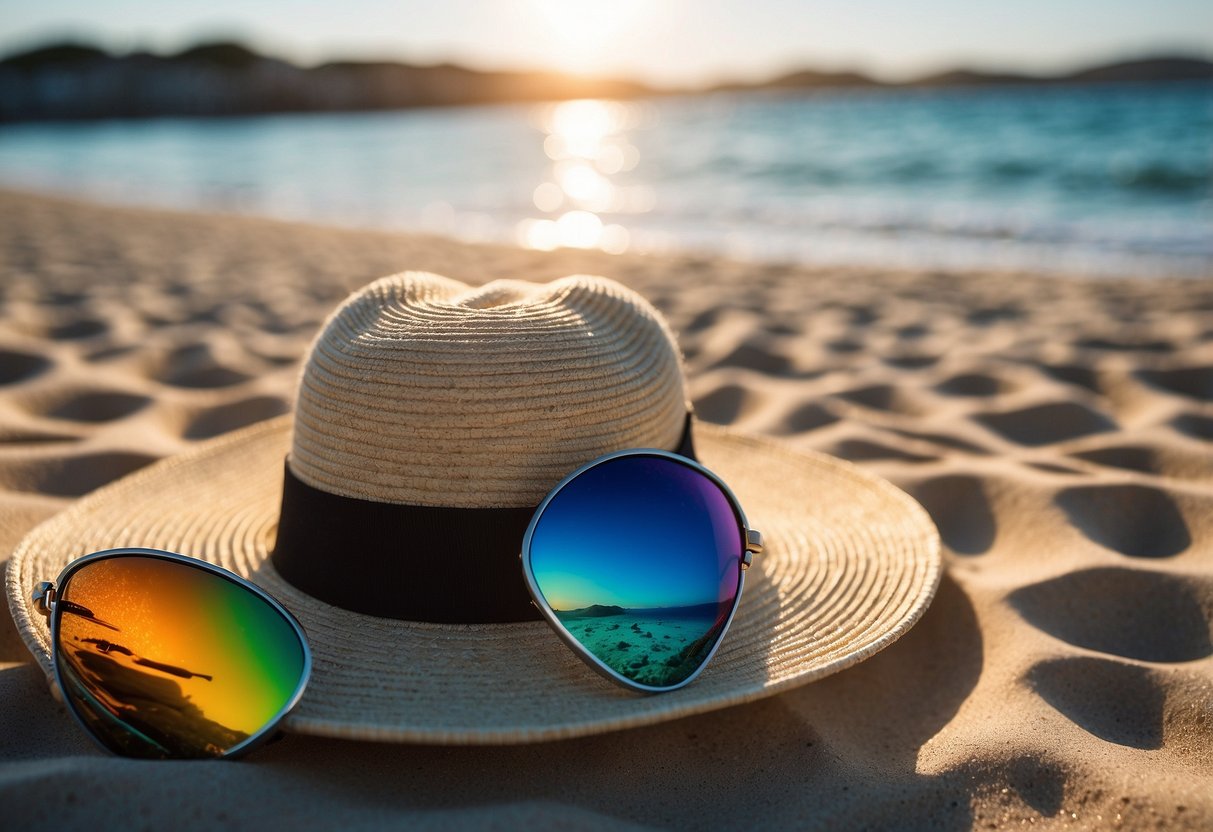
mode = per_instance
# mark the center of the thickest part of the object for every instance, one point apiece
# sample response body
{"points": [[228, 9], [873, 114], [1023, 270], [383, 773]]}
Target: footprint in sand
{"points": [[1044, 424], [234, 415], [1160, 460], [1144, 615], [725, 404], [863, 450], [98, 406], [911, 361], [1194, 425], [995, 314], [758, 358], [77, 475], [942, 439], [1127, 457], [19, 366], [804, 418], [1133, 615], [961, 511], [977, 385], [110, 353], [1192, 382], [881, 397], [1127, 704], [1109, 345], [844, 345], [1135, 520], [78, 330], [1076, 374], [863, 316], [196, 366]]}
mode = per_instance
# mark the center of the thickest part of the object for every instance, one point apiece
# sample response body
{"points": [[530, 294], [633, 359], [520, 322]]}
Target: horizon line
{"points": [[16, 47]]}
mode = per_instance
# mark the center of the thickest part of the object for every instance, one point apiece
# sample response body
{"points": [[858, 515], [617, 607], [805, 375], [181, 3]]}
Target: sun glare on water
{"points": [[586, 141], [587, 144]]}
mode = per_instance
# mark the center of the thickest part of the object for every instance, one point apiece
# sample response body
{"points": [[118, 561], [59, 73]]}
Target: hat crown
{"points": [[420, 390]]}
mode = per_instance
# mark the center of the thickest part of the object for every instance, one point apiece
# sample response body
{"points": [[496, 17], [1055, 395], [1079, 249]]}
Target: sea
{"points": [[1073, 180], [658, 647]]}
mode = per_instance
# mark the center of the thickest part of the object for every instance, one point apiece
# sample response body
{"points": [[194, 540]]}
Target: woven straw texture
{"points": [[424, 391], [851, 564]]}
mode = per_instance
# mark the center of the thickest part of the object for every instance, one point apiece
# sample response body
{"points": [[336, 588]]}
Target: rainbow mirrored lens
{"points": [[163, 659], [639, 559]]}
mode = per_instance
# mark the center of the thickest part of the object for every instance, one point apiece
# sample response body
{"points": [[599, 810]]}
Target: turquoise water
{"points": [[1091, 180], [659, 648]]}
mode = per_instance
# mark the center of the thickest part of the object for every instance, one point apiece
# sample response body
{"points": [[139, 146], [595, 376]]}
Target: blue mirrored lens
{"points": [[639, 557]]}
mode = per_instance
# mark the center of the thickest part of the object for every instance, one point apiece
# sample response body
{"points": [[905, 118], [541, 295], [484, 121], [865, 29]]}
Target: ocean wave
{"points": [[1048, 176], [1160, 176]]}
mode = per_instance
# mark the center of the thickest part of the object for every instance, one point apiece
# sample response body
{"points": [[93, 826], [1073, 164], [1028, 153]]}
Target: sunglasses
{"points": [[637, 560], [158, 655]]}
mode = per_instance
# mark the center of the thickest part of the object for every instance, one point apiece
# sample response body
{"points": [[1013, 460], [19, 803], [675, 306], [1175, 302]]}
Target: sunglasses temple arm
{"points": [[44, 598], [44, 602]]}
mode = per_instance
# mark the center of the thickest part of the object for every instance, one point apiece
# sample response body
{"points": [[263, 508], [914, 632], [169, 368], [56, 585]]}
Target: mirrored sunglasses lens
{"points": [[640, 559], [162, 659]]}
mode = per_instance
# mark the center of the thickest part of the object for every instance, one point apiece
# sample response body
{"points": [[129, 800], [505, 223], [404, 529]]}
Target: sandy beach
{"points": [[1058, 430]]}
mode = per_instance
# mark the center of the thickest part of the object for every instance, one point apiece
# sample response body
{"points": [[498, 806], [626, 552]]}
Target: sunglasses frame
{"points": [[47, 595], [751, 544]]}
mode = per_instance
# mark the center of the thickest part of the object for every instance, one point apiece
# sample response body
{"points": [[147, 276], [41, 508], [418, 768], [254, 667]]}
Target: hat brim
{"points": [[850, 564]]}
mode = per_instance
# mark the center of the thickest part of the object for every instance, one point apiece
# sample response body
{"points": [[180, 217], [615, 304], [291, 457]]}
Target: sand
{"points": [[1059, 431]]}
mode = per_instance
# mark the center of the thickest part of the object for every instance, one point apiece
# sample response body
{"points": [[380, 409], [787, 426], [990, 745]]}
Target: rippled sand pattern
{"points": [[1060, 433]]}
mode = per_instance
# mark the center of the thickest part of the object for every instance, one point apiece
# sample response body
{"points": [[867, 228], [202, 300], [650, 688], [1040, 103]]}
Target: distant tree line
{"points": [[77, 81]]}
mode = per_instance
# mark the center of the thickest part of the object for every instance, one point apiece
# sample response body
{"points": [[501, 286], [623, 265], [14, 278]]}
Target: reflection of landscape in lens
{"points": [[162, 659], [640, 559]]}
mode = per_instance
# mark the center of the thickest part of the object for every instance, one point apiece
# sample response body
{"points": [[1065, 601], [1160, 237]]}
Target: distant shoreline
{"points": [[80, 82]]}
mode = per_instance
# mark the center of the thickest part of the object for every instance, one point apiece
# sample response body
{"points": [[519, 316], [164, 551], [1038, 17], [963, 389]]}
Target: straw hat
{"points": [[426, 398]]}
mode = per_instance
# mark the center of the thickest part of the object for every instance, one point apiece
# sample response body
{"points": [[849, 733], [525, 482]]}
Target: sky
{"points": [[664, 42], [637, 532]]}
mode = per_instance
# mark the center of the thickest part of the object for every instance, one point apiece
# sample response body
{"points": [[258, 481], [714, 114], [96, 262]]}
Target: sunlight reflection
{"points": [[582, 126], [548, 197], [579, 229], [584, 185], [587, 143], [538, 234]]}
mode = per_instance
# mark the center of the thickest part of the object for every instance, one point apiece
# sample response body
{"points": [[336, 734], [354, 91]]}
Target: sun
{"points": [[581, 32]]}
